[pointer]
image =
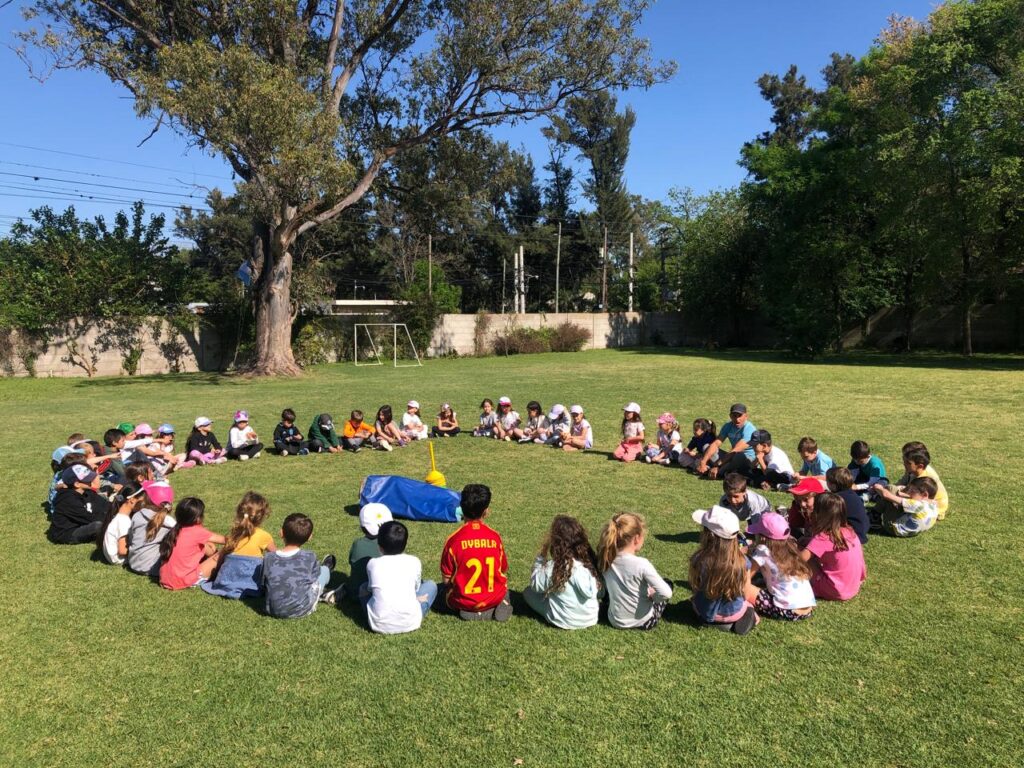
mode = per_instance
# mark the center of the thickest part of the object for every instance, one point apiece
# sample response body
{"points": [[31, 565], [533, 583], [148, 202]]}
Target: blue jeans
{"points": [[428, 590], [324, 577]]}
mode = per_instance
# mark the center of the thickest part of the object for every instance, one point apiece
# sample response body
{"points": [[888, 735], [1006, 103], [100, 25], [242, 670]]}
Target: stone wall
{"points": [[458, 333]]}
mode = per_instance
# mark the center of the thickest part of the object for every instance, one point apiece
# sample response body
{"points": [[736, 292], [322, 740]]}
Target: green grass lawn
{"points": [[924, 667]]}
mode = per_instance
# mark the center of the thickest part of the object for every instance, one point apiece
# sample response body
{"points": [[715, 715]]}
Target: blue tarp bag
{"points": [[412, 499]]}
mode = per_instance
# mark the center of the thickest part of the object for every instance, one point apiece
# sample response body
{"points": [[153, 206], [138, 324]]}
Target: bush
{"points": [[523, 341], [569, 337]]}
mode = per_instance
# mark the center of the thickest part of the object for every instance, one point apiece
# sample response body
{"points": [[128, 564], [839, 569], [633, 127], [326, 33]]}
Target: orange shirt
{"points": [[350, 429], [474, 563]]}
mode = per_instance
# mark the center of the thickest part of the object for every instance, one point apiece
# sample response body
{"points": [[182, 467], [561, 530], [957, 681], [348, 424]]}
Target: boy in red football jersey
{"points": [[473, 564]]}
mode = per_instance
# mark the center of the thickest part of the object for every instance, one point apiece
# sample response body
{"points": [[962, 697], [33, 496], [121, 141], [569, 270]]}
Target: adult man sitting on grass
{"points": [[740, 458]]}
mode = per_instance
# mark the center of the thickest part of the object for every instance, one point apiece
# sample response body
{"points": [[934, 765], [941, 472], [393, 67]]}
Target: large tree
{"points": [[309, 99]]}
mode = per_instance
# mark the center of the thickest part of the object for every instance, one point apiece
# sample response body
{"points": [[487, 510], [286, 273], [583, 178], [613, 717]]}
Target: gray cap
{"points": [[760, 437], [737, 408]]}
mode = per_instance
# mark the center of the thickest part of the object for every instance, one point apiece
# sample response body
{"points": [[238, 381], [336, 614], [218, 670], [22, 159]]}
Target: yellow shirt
{"points": [[255, 545], [941, 497]]}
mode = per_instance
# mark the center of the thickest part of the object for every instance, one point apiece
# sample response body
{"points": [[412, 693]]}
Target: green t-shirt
{"points": [[363, 550]]}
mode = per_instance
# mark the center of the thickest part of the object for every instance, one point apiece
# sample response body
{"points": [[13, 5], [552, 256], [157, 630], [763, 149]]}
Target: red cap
{"points": [[809, 485]]}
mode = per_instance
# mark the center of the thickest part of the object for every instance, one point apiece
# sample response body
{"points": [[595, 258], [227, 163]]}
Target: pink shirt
{"points": [[840, 572], [181, 570]]}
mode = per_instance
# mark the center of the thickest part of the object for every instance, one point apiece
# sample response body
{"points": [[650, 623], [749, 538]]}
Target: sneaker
{"points": [[243, 457], [647, 459], [746, 623], [221, 460], [303, 451], [783, 487], [257, 454], [186, 464], [330, 596], [329, 562], [503, 610], [357, 449], [477, 615], [508, 439], [666, 462], [525, 440], [386, 445]]}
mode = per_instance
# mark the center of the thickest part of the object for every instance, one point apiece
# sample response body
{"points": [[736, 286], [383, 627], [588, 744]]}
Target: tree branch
{"points": [[332, 45], [394, 10], [357, 192]]}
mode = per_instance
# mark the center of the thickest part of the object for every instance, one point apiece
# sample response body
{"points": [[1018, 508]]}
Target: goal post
{"points": [[375, 339]]}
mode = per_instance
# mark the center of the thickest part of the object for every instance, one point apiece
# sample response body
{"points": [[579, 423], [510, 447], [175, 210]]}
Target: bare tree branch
{"points": [[391, 16]]}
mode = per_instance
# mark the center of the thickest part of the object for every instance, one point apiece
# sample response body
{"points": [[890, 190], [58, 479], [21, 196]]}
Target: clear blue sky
{"points": [[688, 131]]}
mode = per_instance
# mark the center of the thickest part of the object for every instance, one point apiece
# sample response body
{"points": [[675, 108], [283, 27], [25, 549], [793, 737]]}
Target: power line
{"points": [[108, 160], [99, 184], [174, 185], [73, 198]]}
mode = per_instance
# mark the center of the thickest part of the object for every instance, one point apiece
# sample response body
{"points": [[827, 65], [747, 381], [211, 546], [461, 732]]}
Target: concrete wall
{"points": [[458, 333], [996, 328], [164, 350]]}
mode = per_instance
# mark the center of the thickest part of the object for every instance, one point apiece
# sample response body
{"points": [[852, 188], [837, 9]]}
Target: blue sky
{"points": [[688, 132]]}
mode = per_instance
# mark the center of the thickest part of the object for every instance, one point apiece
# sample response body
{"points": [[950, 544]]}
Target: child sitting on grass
{"points": [[787, 592], [188, 555], [508, 420], [488, 419], [413, 427], [150, 526], [565, 584], [386, 430], [669, 444], [112, 542], [399, 599], [840, 482], [580, 435], [371, 517], [447, 422], [771, 467], [704, 432], [558, 423], [293, 579], [917, 462], [357, 433], [202, 445], [637, 595], [864, 465], [632, 445], [534, 426], [287, 438], [322, 435], [78, 510], [816, 462], [834, 551], [243, 442], [474, 566], [719, 573], [913, 511], [747, 505]]}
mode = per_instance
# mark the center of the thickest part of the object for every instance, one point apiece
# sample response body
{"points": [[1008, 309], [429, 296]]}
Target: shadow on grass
{"points": [[683, 537], [521, 608], [194, 379], [978, 362]]}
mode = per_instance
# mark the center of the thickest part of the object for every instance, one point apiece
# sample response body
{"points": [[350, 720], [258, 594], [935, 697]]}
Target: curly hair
{"points": [[567, 541]]}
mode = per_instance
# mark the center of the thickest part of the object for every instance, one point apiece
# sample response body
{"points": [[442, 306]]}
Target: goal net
{"points": [[376, 343]]}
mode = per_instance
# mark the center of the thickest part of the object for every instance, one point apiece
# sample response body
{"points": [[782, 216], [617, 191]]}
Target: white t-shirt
{"points": [[119, 527], [509, 420], [414, 423], [584, 430], [632, 429], [789, 592], [130, 445], [239, 438], [666, 439], [777, 459], [393, 581]]}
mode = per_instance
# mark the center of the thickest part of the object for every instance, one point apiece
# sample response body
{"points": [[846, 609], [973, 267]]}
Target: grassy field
{"points": [[923, 668]]}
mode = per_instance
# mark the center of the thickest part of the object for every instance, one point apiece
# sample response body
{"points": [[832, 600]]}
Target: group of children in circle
{"points": [[788, 558]]}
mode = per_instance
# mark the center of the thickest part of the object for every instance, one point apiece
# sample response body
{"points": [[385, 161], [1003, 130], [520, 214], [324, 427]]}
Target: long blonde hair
{"points": [[718, 567], [251, 511], [156, 522], [617, 535]]}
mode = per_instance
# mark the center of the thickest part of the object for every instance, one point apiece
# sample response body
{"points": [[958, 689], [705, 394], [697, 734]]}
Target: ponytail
{"points": [[156, 522], [616, 535], [252, 510]]}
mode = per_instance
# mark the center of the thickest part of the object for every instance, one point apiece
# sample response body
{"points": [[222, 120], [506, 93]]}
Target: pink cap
{"points": [[158, 493], [143, 429], [241, 416], [667, 418], [809, 485], [504, 401], [771, 525]]}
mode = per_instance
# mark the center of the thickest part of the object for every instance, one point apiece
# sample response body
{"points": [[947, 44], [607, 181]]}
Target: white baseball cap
{"points": [[576, 409], [720, 520], [632, 407], [504, 401], [373, 516], [556, 411], [412, 404], [202, 421]]}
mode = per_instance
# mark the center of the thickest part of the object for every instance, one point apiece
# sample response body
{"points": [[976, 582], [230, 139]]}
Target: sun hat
{"points": [[77, 473], [158, 492], [143, 429], [556, 411], [667, 418], [166, 429], [59, 454], [632, 407], [446, 406], [576, 409], [720, 520], [771, 525], [412, 404], [126, 427], [504, 400], [373, 515], [737, 408], [202, 421], [809, 485], [241, 416]]}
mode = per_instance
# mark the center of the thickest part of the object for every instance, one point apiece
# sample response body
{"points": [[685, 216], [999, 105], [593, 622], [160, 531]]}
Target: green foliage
{"points": [[564, 337], [569, 337], [423, 303]]}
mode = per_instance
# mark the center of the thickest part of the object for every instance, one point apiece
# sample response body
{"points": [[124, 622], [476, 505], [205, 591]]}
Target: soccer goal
{"points": [[376, 342]]}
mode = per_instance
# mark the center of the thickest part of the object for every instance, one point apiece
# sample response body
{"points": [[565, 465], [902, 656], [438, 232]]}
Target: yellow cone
{"points": [[433, 476]]}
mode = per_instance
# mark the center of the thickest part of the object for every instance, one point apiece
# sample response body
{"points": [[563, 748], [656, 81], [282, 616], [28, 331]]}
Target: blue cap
{"points": [[59, 454], [166, 429], [77, 473]]}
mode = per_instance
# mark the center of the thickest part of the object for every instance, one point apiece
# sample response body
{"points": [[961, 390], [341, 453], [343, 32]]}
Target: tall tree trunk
{"points": [[909, 310], [274, 306], [967, 300]]}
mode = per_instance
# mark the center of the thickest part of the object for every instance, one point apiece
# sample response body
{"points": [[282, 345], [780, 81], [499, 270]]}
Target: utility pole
{"points": [[630, 271], [604, 272], [430, 266], [522, 281], [504, 266], [558, 262]]}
